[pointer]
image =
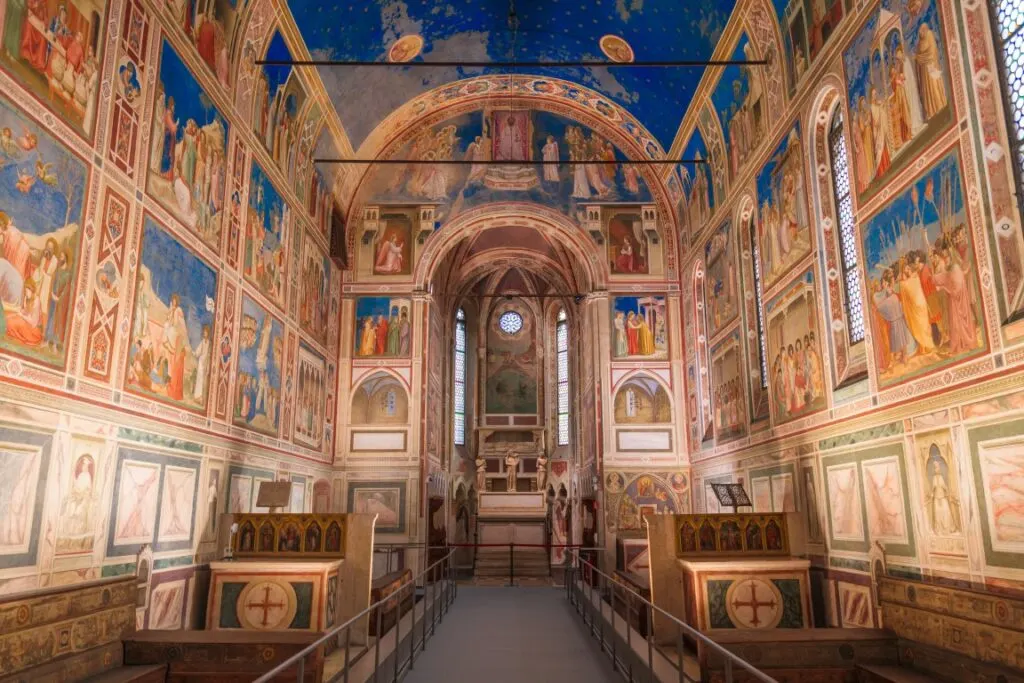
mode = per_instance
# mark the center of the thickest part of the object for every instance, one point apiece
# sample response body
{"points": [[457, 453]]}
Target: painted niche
{"points": [[642, 400], [380, 399]]}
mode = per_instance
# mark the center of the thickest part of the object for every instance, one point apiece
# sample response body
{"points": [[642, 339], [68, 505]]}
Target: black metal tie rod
{"points": [[581, 64], [540, 162]]}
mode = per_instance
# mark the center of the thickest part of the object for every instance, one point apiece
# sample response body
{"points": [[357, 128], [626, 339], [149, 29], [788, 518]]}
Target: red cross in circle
{"points": [[754, 604], [266, 605]]}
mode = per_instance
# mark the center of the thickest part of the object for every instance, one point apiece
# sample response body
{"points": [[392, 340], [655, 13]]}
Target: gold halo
{"points": [[616, 49], [406, 48]]}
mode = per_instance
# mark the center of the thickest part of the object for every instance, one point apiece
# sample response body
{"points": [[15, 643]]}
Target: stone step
{"points": [[155, 673]]}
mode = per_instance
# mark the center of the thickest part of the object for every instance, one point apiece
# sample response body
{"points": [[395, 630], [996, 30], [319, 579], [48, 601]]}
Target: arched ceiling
{"points": [[478, 30]]}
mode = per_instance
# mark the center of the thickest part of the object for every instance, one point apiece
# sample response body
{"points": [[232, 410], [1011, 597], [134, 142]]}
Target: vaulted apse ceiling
{"points": [[478, 30]]}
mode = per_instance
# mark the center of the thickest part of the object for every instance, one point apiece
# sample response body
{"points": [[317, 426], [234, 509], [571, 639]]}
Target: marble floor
{"points": [[509, 635]]}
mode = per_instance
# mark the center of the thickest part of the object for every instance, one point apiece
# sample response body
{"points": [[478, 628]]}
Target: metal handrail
{"points": [[729, 657], [299, 658]]}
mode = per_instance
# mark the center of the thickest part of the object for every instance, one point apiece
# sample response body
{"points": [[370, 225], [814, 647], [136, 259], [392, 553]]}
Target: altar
{"points": [[727, 571], [505, 518], [291, 572]]}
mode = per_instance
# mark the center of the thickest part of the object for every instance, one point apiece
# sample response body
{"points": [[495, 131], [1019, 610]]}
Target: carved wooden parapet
{"points": [[289, 536], [727, 535]]}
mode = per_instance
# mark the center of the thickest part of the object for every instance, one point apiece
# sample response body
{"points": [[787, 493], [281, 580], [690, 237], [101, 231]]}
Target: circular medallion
{"points": [[405, 49], [616, 49], [754, 603], [266, 606]]}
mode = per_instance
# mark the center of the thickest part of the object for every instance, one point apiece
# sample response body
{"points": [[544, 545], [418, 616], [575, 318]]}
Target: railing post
{"points": [[398, 632], [679, 654], [301, 673], [511, 565], [376, 645], [615, 664], [728, 670], [629, 640], [650, 644], [348, 643]]}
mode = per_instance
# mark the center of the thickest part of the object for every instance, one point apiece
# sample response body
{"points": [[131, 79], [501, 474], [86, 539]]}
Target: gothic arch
{"points": [[849, 360], [363, 412], [661, 388], [591, 272]]}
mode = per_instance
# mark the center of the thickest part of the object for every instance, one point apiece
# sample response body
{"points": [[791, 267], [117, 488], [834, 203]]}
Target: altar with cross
{"points": [[728, 571], [291, 572]]}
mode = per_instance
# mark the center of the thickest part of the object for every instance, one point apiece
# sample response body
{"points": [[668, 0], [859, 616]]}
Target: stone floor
{"points": [[512, 635]]}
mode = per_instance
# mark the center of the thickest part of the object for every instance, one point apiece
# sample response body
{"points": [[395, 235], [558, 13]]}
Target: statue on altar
{"points": [[542, 472], [481, 473], [511, 469]]}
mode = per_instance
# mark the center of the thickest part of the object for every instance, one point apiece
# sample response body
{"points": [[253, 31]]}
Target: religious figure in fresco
{"points": [[921, 276], [896, 85], [389, 257]]}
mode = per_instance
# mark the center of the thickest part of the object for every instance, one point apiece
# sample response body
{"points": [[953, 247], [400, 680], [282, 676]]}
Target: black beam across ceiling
{"points": [[585, 64], [471, 162]]}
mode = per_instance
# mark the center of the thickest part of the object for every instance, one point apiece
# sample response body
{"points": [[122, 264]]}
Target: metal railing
{"points": [[579, 588], [442, 589]]}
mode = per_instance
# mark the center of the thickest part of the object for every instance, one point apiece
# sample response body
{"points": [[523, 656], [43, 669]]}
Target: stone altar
{"points": [[518, 518], [726, 571]]}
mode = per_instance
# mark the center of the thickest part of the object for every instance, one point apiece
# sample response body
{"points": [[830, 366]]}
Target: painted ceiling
{"points": [[478, 30]]}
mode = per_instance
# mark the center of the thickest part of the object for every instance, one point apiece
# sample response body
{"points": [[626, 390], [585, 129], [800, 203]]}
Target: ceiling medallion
{"points": [[616, 49], [405, 49]]}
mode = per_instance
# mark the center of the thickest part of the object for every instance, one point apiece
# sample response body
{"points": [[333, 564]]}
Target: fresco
{"points": [[642, 400], [783, 228], [940, 484], [55, 49], [897, 75], [42, 194], [721, 287], [310, 397], [645, 495], [729, 402], [796, 371], [740, 106], [314, 290], [884, 501], [845, 505], [627, 245], [698, 191], [806, 27], [384, 499], [639, 328], [260, 368], [266, 228], [512, 371], [172, 322], [524, 135], [383, 327], [79, 503], [210, 25], [379, 399], [921, 276], [279, 100], [393, 249], [998, 463], [188, 150]]}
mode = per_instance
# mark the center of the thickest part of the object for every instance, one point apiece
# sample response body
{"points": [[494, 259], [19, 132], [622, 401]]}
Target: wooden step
{"points": [[891, 673], [146, 673]]}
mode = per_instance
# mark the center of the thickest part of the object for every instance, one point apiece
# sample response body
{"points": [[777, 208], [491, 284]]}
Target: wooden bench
{"points": [[223, 656], [399, 600], [626, 602]]}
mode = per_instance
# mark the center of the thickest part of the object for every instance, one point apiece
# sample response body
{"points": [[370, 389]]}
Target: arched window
{"points": [[762, 346], [459, 408], [847, 237], [562, 353], [1009, 19]]}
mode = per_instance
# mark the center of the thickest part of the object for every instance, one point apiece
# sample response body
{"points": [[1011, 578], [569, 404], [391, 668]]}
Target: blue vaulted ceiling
{"points": [[477, 30]]}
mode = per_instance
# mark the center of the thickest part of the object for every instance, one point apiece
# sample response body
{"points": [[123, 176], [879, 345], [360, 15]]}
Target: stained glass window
{"points": [[562, 349], [762, 350], [510, 322], [390, 403], [459, 381], [847, 236], [1009, 19]]}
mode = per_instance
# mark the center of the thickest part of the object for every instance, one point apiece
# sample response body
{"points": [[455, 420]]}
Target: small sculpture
{"points": [[511, 469], [542, 472], [481, 473]]}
